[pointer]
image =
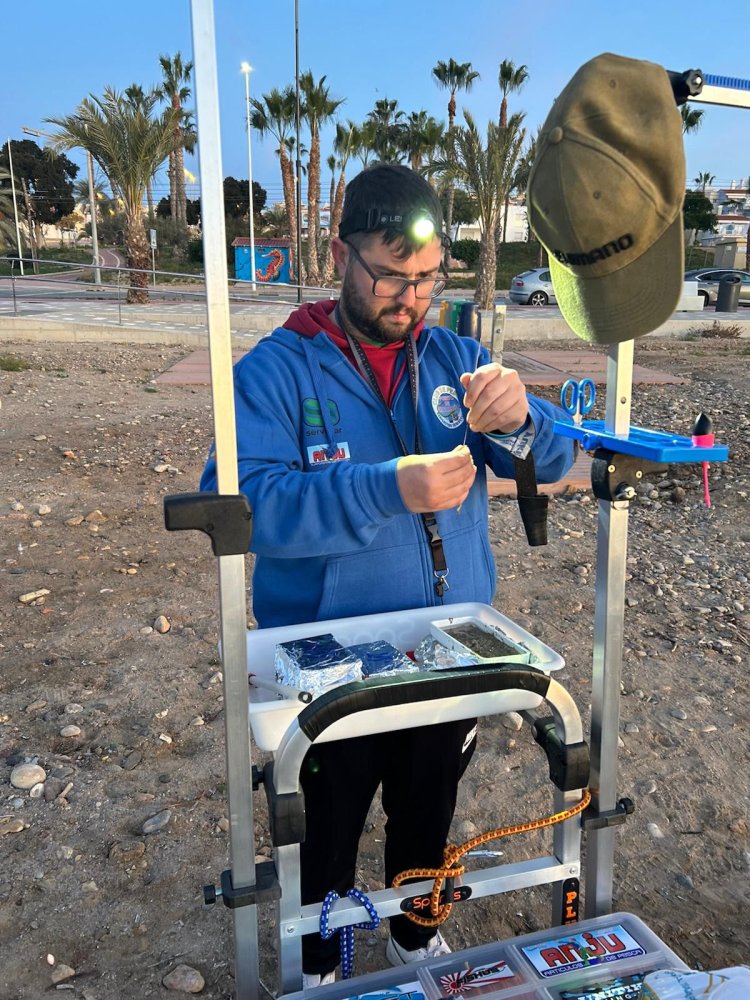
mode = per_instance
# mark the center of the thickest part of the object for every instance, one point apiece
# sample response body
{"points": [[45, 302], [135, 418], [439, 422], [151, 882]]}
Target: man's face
{"points": [[384, 320]]}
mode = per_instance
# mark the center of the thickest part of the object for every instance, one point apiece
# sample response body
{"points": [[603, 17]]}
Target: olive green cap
{"points": [[605, 198]]}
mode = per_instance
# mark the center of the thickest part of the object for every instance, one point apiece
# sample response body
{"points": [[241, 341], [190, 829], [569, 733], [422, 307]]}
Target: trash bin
{"points": [[468, 321], [455, 313], [728, 294]]}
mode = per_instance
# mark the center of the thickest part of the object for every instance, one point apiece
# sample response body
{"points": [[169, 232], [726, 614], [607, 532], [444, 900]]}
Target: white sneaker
{"points": [[311, 979], [397, 955]]}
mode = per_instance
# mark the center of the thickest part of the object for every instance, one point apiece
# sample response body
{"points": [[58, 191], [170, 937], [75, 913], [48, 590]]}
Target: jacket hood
{"points": [[312, 317]]}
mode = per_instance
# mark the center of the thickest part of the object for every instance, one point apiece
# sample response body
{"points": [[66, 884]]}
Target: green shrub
{"points": [[171, 238], [9, 363], [467, 251], [110, 231], [195, 251], [721, 331], [458, 280], [699, 257]]}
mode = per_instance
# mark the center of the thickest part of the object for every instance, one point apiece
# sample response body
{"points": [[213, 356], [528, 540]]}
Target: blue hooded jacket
{"points": [[317, 455]]}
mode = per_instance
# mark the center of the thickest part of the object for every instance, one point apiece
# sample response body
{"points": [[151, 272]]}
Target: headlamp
{"points": [[419, 224], [423, 228]]}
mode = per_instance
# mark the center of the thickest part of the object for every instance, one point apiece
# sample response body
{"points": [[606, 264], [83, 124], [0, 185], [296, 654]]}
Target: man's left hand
{"points": [[495, 398]]}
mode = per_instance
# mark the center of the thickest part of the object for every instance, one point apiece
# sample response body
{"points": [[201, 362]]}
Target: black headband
{"points": [[383, 218]]}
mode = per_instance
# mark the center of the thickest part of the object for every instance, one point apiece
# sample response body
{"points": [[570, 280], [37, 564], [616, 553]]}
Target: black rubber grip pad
{"points": [[388, 692]]}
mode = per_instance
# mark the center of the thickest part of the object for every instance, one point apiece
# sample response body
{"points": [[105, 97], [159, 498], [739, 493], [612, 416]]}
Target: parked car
{"points": [[708, 279], [533, 288]]}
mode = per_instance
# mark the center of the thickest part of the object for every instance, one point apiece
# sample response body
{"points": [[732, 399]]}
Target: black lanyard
{"points": [[437, 552]]}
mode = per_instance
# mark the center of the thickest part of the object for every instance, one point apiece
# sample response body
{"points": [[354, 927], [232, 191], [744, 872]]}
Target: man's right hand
{"points": [[435, 482]]}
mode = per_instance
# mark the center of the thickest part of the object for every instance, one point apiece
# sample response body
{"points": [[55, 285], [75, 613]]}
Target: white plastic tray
{"points": [[520, 655], [270, 716]]}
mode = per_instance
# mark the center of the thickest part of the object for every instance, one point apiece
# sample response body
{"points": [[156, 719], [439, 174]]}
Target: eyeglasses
{"points": [[390, 286]]}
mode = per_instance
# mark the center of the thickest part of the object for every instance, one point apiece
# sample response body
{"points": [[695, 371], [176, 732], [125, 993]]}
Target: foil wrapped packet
{"points": [[380, 657], [316, 664], [669, 984], [433, 655]]}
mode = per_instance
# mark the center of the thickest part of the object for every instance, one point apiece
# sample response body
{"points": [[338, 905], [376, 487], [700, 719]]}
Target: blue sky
{"points": [[370, 51]]}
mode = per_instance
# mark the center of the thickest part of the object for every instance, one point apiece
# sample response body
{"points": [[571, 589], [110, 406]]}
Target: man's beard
{"points": [[373, 322]]}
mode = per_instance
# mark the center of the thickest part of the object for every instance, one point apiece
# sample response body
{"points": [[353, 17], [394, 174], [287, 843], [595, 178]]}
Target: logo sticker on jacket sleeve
{"points": [[317, 454], [447, 407]]}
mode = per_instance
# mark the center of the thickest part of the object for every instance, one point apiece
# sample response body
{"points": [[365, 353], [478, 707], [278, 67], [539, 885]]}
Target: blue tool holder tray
{"points": [[656, 446]]}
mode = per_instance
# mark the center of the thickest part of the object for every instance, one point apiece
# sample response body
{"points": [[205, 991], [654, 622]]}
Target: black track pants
{"points": [[419, 770]]}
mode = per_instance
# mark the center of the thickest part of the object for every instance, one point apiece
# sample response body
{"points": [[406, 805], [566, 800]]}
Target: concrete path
{"points": [[540, 368]]}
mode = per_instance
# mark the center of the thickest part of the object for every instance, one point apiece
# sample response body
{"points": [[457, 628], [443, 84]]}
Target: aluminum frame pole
{"points": [[15, 208], [609, 613], [231, 568], [247, 69]]}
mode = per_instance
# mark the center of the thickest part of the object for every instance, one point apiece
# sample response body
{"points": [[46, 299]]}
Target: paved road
{"points": [[182, 308], [111, 258], [78, 284]]}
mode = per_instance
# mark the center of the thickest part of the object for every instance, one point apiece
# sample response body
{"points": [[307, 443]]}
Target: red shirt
{"points": [[312, 317]]}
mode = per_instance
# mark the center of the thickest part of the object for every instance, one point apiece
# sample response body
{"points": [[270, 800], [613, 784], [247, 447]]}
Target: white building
{"points": [[518, 226]]}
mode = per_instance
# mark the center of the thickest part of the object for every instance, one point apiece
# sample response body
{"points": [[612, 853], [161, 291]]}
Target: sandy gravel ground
{"points": [[110, 684]]}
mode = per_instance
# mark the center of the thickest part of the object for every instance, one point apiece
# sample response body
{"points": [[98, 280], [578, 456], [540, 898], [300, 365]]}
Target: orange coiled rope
{"points": [[451, 869]]}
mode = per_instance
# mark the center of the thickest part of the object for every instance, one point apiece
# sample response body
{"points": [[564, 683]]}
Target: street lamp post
{"points": [[92, 201], [92, 210], [15, 208], [247, 69]]}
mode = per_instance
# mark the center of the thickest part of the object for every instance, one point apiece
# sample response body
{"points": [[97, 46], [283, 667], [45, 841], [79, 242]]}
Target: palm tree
{"points": [[343, 147], [274, 115], [7, 212], [691, 119], [275, 222], [421, 136], [518, 183], [453, 76], [511, 80], [130, 145], [704, 180], [388, 128], [82, 195], [137, 97], [81, 189], [175, 89], [486, 170], [521, 182], [331, 164], [363, 143], [317, 110]]}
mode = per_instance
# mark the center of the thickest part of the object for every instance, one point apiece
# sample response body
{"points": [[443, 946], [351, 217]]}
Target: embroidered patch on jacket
{"points": [[317, 454], [447, 407], [312, 415]]}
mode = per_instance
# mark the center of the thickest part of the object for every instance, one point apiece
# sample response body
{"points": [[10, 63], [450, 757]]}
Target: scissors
{"points": [[578, 398]]}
